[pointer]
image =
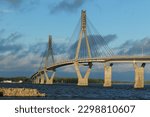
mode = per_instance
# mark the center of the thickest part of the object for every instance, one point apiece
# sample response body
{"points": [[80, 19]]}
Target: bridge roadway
{"points": [[38, 77], [113, 59]]}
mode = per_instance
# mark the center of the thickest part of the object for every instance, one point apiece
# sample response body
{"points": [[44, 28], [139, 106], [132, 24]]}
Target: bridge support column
{"points": [[51, 79], [82, 81], [37, 80], [42, 78], [33, 81], [139, 76], [107, 75]]}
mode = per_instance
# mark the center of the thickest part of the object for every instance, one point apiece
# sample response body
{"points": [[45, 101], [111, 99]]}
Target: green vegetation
{"points": [[122, 82], [75, 80], [147, 82]]}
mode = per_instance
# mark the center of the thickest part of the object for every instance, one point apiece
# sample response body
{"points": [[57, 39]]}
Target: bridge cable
{"points": [[94, 43], [101, 38]]}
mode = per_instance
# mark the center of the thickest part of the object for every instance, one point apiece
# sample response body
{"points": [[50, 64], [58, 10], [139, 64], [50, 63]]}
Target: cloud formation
{"points": [[3, 11], [67, 6], [17, 57], [8, 45], [14, 2], [11, 6], [135, 47]]}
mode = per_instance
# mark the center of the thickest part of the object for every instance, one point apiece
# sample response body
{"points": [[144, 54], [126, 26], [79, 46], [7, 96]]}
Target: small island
{"points": [[22, 92]]}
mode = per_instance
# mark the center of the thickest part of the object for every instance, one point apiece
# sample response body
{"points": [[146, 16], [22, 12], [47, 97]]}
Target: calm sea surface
{"points": [[92, 92]]}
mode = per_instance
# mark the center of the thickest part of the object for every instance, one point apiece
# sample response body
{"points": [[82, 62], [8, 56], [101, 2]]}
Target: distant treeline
{"points": [[91, 80], [147, 82], [75, 80]]}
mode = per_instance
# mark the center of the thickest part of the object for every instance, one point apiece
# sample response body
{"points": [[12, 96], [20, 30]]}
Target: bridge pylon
{"points": [[42, 79], [34, 80], [139, 75], [37, 79], [49, 54], [82, 81], [83, 35], [51, 79]]}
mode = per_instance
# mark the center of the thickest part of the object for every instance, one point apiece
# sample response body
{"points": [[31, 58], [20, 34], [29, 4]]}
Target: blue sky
{"points": [[26, 24], [128, 19]]}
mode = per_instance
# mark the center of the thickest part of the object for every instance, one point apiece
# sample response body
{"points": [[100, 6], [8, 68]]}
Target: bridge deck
{"points": [[113, 59]]}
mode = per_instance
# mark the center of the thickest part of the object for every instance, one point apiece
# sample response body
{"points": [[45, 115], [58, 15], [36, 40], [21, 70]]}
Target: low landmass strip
{"points": [[20, 92]]}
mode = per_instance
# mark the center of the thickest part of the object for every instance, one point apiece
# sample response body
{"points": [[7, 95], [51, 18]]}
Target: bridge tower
{"points": [[42, 75], [82, 81], [49, 54], [50, 51]]}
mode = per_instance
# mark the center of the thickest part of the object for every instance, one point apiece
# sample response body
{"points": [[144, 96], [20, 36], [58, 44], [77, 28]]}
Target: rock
{"points": [[20, 92]]}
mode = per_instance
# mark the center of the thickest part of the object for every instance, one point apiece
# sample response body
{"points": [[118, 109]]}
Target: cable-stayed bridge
{"points": [[88, 49]]}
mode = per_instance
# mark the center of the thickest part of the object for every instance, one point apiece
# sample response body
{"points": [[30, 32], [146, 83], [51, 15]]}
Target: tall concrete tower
{"points": [[83, 35]]}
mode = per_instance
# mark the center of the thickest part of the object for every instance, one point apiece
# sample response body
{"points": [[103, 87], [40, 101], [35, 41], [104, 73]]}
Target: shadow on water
{"points": [[91, 92]]}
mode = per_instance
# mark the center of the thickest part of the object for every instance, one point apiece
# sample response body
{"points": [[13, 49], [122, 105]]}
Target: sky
{"points": [[26, 24]]}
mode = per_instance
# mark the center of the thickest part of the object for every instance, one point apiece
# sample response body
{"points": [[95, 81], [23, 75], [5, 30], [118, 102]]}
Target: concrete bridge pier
{"points": [[108, 75], [139, 75], [37, 80], [42, 78], [51, 79], [82, 81], [34, 80]]}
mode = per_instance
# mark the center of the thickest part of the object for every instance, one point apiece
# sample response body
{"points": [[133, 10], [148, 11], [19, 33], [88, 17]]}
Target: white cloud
{"points": [[3, 11], [13, 62]]}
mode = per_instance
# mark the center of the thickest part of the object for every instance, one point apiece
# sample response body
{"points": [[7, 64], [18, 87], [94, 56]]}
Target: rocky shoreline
{"points": [[20, 92]]}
